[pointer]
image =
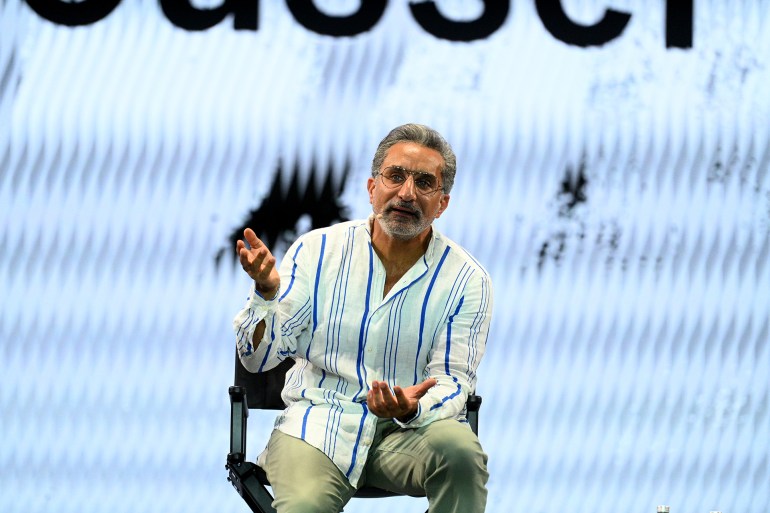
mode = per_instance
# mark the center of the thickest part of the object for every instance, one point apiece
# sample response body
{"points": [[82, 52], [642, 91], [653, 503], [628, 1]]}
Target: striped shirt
{"points": [[330, 316]]}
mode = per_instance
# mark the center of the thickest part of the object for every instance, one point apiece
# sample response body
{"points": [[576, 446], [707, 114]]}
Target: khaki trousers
{"points": [[443, 461]]}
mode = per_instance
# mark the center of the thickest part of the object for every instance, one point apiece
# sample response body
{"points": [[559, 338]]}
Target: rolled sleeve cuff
{"points": [[257, 309], [258, 298], [410, 423]]}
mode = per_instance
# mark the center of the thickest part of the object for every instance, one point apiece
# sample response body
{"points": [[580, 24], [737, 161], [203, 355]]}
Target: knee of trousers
{"points": [[458, 454], [306, 501]]}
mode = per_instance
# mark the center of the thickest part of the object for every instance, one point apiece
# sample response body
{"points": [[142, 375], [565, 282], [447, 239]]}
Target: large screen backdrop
{"points": [[616, 191]]}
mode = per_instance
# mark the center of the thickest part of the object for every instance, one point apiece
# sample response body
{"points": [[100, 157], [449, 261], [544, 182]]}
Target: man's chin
{"points": [[402, 230], [402, 236]]}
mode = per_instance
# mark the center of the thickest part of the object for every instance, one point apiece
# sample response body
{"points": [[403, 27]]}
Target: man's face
{"points": [[407, 210]]}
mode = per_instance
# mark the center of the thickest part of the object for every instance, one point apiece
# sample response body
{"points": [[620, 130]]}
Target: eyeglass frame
{"points": [[414, 174]]}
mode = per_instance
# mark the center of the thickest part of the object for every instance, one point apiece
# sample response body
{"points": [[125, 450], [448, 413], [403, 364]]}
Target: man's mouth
{"points": [[401, 211]]}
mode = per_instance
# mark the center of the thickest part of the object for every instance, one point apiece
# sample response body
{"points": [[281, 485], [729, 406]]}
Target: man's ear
{"points": [[370, 188], [443, 204]]}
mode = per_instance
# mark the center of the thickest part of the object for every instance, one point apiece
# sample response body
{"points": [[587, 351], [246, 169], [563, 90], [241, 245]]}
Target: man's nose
{"points": [[407, 190]]}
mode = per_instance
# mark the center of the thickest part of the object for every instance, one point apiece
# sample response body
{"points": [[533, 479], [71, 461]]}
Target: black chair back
{"points": [[263, 390]]}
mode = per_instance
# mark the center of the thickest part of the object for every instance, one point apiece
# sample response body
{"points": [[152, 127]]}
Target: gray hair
{"points": [[424, 136]]}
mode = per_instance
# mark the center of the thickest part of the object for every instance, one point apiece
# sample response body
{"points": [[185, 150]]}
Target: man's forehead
{"points": [[414, 157]]}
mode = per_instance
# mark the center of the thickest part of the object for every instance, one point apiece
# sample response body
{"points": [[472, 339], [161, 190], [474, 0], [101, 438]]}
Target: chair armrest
{"points": [[239, 413], [473, 404]]}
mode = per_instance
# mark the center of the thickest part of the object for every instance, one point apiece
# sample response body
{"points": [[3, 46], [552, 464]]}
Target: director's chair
{"points": [[262, 391]]}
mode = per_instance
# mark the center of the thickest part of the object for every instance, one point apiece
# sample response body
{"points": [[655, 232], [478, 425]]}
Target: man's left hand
{"points": [[401, 404]]}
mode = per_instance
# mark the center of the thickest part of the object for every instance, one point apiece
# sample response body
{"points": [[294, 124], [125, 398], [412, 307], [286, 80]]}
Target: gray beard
{"points": [[404, 230]]}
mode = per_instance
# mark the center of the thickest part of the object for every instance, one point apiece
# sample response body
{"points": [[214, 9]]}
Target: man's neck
{"points": [[397, 255]]}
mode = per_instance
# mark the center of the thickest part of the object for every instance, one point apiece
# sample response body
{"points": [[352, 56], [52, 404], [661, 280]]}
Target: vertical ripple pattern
{"points": [[619, 196]]}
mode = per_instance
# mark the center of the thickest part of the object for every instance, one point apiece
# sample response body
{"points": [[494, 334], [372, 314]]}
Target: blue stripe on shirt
{"points": [[362, 332], [317, 280], [304, 419], [337, 310], [298, 319], [450, 396], [390, 352], [293, 270], [425, 307], [245, 344], [315, 294], [457, 288], [358, 439], [269, 346], [449, 335], [342, 384], [476, 326]]}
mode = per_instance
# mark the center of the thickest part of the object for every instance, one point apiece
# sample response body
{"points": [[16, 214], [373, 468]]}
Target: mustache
{"points": [[408, 207]]}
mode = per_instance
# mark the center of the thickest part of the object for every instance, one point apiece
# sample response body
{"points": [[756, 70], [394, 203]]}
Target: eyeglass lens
{"points": [[395, 176]]}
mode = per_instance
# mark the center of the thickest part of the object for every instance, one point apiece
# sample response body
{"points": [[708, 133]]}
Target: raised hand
{"points": [[259, 263], [402, 405]]}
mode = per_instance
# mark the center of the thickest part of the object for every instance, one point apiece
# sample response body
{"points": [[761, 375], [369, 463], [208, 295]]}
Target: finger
{"points": [[377, 393], [373, 402], [268, 263], [245, 257], [403, 400], [239, 246], [382, 396], [248, 258], [388, 399], [251, 261], [252, 238]]}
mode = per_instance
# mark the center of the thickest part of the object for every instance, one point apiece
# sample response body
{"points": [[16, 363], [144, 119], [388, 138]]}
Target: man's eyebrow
{"points": [[415, 171]]}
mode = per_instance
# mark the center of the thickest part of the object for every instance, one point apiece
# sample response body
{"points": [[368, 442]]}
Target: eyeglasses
{"points": [[395, 176]]}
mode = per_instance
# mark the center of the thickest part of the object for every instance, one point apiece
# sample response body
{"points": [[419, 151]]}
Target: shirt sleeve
{"points": [[284, 316], [456, 354]]}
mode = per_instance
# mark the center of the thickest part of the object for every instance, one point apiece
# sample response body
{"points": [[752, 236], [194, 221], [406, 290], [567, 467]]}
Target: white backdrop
{"points": [[618, 195]]}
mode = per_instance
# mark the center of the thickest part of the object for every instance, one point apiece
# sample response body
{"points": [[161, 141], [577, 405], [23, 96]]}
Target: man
{"points": [[387, 321]]}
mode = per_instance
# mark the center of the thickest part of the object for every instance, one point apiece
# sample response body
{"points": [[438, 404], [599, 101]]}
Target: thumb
{"points": [[426, 385]]}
